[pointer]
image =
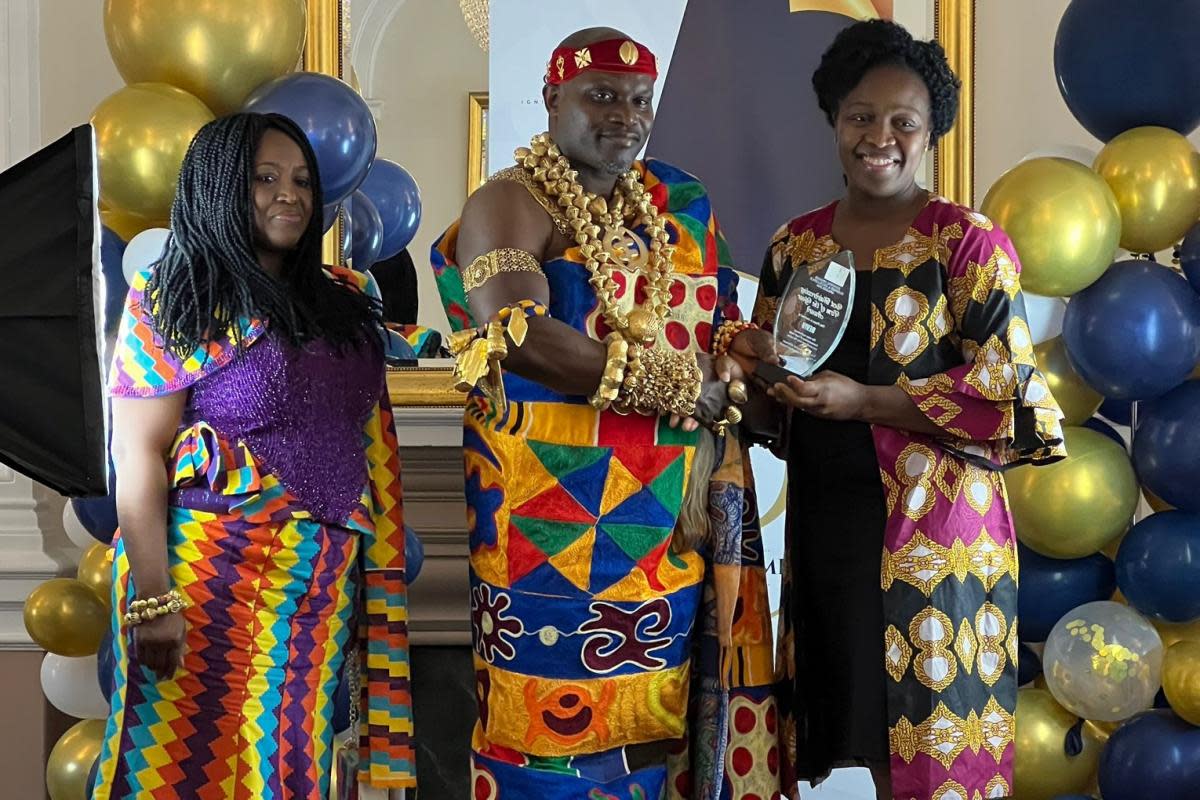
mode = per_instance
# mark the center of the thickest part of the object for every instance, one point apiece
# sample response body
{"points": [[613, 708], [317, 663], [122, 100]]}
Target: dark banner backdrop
{"points": [[738, 110]]}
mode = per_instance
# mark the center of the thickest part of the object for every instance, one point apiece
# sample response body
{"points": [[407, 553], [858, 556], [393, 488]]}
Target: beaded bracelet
{"points": [[145, 610]]}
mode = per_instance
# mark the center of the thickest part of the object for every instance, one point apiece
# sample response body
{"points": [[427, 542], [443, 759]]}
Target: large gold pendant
{"points": [[630, 253], [627, 249]]}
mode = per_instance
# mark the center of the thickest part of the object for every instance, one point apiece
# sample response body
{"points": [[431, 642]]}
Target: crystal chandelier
{"points": [[475, 13]]}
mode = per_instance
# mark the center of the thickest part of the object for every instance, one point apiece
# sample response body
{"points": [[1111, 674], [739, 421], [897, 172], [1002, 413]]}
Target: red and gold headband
{"points": [[610, 55]]}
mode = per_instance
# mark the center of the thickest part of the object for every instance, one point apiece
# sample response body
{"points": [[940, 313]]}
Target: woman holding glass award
{"points": [[893, 447]]}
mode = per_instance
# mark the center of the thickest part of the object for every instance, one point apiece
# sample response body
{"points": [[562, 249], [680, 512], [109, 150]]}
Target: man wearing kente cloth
{"points": [[597, 329]]}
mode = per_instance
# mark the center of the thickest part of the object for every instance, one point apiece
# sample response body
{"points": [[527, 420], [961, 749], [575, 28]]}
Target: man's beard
{"points": [[615, 168]]}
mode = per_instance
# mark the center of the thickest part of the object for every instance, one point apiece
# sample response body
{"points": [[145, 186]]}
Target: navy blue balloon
{"points": [[1134, 334], [1166, 450], [398, 200], [329, 215], [106, 665], [336, 120], [1155, 755], [1029, 666], [93, 777], [367, 232], [112, 247], [1052, 587], [1123, 64], [1074, 797], [414, 554], [1189, 256], [1158, 566], [98, 515], [1118, 411], [1100, 426]]}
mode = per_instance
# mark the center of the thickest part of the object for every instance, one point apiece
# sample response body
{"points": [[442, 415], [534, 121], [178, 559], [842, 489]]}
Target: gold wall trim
{"points": [[424, 386], [954, 158], [325, 46], [477, 105]]}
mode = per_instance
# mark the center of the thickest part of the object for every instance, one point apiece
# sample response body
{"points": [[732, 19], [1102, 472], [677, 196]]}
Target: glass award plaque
{"points": [[811, 317]]}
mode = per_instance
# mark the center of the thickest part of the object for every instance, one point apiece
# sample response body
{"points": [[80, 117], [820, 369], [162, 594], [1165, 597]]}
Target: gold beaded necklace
{"points": [[604, 238]]}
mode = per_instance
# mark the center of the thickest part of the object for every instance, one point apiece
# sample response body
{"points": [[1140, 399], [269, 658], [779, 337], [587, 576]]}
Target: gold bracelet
{"points": [[661, 382], [493, 262], [727, 332], [614, 372], [145, 610]]}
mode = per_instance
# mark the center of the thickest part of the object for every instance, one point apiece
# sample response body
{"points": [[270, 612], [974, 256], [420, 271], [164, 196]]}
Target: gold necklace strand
{"points": [[600, 231]]}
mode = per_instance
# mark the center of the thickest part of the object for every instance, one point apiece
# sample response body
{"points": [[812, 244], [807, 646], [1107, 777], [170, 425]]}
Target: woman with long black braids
{"points": [[256, 473]]}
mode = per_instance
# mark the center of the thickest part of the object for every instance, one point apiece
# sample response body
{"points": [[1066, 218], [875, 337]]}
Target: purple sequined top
{"points": [[300, 411]]}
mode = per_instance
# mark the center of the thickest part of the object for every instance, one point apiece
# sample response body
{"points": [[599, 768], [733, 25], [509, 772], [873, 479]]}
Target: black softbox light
{"points": [[52, 423]]}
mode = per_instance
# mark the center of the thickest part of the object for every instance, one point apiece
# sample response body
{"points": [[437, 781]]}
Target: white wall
{"points": [[1018, 107], [76, 70], [425, 67]]}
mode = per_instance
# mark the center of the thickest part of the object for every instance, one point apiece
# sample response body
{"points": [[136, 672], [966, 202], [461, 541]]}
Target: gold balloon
{"points": [[1111, 550], [855, 9], [66, 617], [142, 133], [1155, 502], [1099, 730], [219, 50], [1074, 507], [1077, 400], [1155, 175], [1063, 220], [127, 225], [71, 760], [1181, 680], [95, 571], [1042, 769], [1172, 633]]}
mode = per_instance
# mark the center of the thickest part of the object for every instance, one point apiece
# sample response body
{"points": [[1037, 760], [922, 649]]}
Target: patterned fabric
{"points": [[250, 714], [425, 342], [232, 521], [948, 326], [582, 611], [731, 751]]}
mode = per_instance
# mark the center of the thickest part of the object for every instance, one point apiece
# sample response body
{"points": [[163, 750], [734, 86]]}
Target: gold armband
{"points": [[493, 262]]}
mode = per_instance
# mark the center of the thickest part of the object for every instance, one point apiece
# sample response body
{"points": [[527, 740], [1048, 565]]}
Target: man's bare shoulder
{"points": [[504, 213]]}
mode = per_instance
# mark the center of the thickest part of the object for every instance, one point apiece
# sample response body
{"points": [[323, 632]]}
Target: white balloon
{"points": [[1045, 315], [1073, 152], [142, 251], [78, 534], [1103, 661], [71, 686]]}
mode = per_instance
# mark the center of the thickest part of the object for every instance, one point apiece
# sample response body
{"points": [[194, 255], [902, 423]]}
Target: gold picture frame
{"points": [[954, 158], [477, 140]]}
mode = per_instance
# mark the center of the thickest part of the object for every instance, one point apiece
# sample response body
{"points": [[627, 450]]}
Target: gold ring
{"points": [[737, 391]]}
